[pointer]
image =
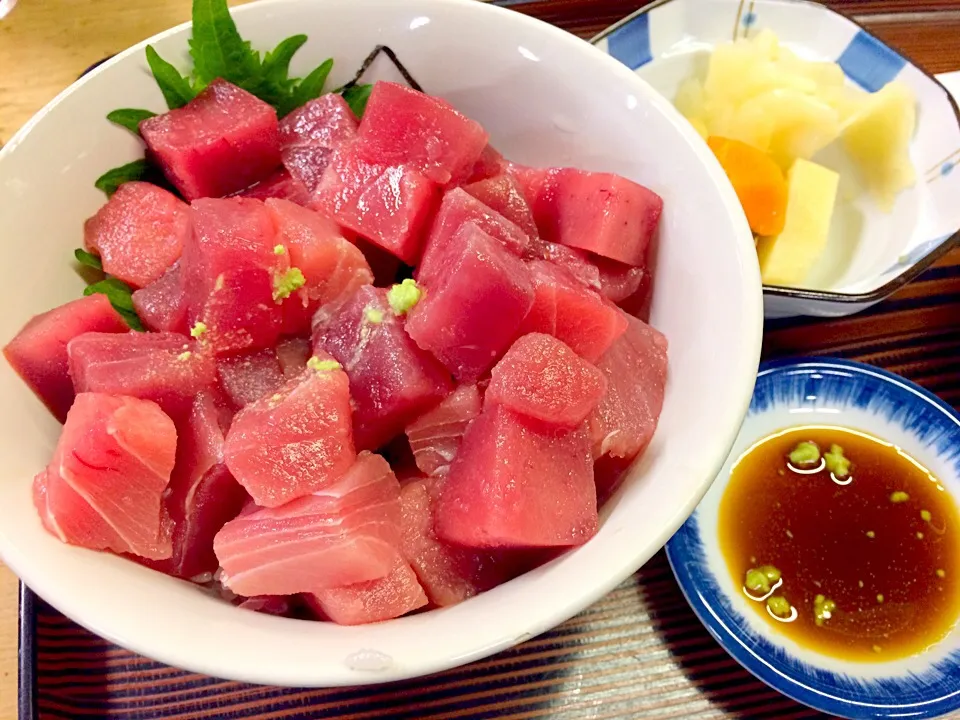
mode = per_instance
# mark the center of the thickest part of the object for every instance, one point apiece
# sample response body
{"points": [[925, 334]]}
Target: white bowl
{"points": [[870, 253], [546, 97]]}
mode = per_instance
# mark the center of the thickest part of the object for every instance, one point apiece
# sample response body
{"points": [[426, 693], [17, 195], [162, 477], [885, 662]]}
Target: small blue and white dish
{"points": [[858, 397], [870, 253]]}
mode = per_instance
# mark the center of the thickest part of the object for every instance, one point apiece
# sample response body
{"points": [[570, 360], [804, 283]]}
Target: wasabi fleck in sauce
{"points": [[857, 537]]}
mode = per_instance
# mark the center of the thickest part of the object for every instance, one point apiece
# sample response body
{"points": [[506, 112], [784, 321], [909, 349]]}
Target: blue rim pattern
{"points": [[928, 694]]}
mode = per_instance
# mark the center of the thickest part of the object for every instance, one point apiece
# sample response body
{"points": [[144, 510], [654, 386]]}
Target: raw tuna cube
{"points": [[281, 185], [570, 312], [389, 205], [457, 209], [310, 134], [38, 353], [139, 233], [332, 266], [222, 141], [576, 262], [449, 574], [518, 484], [636, 368], [618, 281], [162, 305], [529, 179], [542, 378], [504, 195], [402, 126], [233, 276], [293, 443], [490, 164], [468, 317], [392, 381], [167, 368], [247, 378], [293, 354], [389, 597], [435, 436], [600, 212], [203, 496], [104, 487], [345, 533]]}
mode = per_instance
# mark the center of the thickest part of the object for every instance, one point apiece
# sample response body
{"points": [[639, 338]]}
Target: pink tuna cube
{"points": [[222, 141], [636, 368], [293, 354], [600, 212], [281, 185], [139, 233], [38, 353], [310, 134], [332, 266], [504, 195], [295, 442], [469, 316], [250, 376], [490, 164], [576, 262], [570, 312], [345, 533], [457, 209], [518, 484], [618, 281], [402, 126], [231, 272], [388, 597], [389, 205], [449, 574], [392, 381], [542, 378], [435, 436], [166, 368], [162, 305], [104, 488]]}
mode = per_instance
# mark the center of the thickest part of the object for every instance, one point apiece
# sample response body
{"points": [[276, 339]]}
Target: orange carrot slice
{"points": [[758, 182]]}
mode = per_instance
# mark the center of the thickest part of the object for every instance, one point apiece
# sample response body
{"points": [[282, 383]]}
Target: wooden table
{"points": [[46, 44]]}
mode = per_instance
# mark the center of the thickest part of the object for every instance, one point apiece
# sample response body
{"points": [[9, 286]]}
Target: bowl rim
{"points": [[908, 274], [748, 302], [702, 592]]}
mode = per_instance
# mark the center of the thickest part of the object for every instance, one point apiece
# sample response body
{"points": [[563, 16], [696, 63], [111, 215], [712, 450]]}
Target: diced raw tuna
{"points": [[636, 368], [167, 368], [389, 205], [402, 126], [529, 179], [203, 496], [600, 212], [392, 381], [38, 353], [608, 474], [222, 141], [542, 378], [618, 281], [139, 233], [293, 443], [293, 354], [310, 134], [232, 275], [504, 195], [389, 597], [162, 305], [345, 533], [104, 487], [449, 574], [490, 164], [332, 266], [576, 262], [517, 483], [281, 185], [457, 209], [570, 312], [435, 436], [248, 377], [469, 316]]}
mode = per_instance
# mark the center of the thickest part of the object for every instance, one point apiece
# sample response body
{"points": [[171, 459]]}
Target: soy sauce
{"points": [[878, 548]]}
